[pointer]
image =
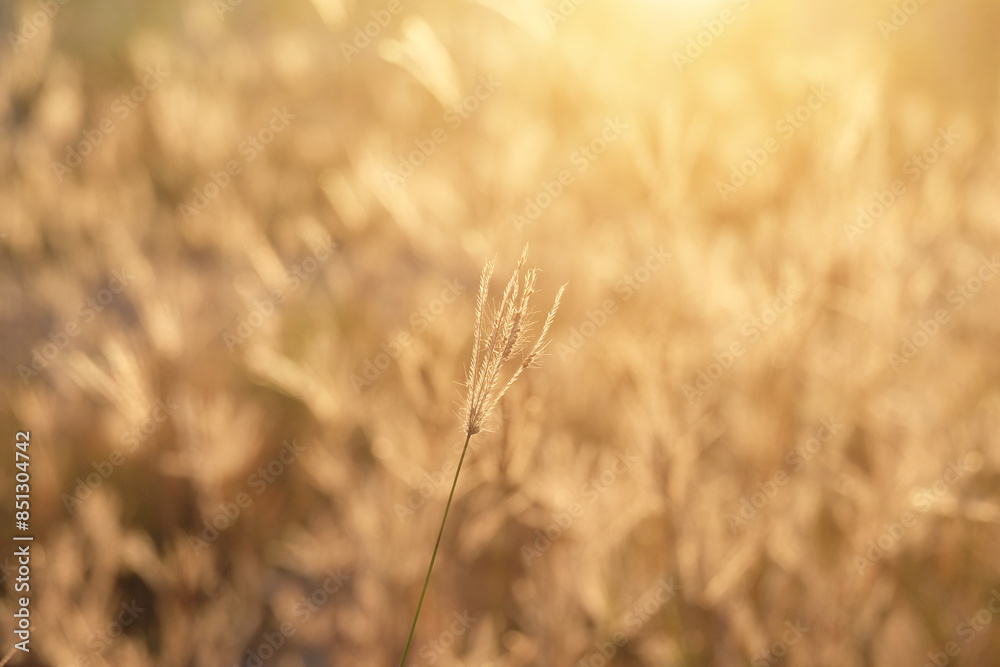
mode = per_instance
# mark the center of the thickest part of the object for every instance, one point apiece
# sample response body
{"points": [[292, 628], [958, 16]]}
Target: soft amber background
{"points": [[368, 451]]}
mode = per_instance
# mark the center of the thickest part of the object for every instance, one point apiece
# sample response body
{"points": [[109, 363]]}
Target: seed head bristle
{"points": [[484, 282], [508, 327]]}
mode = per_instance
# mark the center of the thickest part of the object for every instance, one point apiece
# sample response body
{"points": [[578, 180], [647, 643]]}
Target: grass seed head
{"points": [[501, 339]]}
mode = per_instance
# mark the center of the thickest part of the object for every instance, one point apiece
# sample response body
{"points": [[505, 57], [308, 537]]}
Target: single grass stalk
{"points": [[10, 654], [508, 327], [437, 544]]}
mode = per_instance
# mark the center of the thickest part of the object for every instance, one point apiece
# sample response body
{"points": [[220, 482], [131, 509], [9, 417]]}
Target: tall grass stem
{"points": [[430, 567]]}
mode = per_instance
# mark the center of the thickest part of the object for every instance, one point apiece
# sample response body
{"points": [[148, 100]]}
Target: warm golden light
{"points": [[742, 409]]}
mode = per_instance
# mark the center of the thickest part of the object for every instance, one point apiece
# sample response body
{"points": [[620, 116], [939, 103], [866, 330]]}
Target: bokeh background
{"points": [[240, 244]]}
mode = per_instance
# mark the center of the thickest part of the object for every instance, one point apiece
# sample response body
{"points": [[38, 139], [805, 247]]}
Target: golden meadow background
{"points": [[272, 365]]}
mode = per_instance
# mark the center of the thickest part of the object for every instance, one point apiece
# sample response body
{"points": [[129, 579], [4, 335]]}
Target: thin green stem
{"points": [[436, 545]]}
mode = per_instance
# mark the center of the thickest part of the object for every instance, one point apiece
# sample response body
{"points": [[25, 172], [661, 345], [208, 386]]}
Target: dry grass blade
{"points": [[484, 283]]}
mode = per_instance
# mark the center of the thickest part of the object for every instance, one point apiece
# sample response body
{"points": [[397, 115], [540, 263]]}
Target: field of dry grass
{"points": [[241, 242]]}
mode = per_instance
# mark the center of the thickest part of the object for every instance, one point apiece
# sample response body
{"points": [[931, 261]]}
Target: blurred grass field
{"points": [[240, 246]]}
